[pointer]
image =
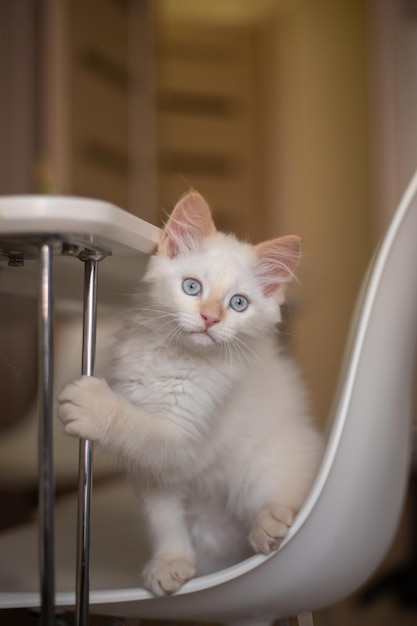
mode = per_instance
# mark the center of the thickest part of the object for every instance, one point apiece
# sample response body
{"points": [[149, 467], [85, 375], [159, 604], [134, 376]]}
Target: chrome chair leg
{"points": [[86, 449], [46, 478]]}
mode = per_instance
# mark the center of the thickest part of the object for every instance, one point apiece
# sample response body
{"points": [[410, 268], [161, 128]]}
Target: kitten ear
{"points": [[276, 262], [189, 223]]}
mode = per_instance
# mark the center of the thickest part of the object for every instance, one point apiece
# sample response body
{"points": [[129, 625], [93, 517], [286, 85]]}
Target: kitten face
{"points": [[210, 290], [212, 296]]}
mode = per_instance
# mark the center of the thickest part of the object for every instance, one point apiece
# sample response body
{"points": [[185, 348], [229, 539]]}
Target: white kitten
{"points": [[202, 404]]}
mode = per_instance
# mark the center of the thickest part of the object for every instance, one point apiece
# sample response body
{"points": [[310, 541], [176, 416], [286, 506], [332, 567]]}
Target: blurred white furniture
{"points": [[45, 228], [348, 521]]}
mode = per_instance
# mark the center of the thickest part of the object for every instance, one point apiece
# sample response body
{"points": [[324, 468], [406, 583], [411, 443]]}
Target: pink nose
{"points": [[209, 320]]}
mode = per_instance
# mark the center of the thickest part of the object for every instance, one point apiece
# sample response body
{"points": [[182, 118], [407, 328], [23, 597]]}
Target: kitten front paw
{"points": [[166, 576], [271, 528], [86, 408]]}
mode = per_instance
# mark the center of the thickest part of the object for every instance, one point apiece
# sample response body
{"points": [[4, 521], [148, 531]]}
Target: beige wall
{"points": [[318, 179], [311, 154]]}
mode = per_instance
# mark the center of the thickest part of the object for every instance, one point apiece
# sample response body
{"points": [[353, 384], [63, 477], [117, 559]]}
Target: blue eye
{"points": [[192, 287], [239, 303]]}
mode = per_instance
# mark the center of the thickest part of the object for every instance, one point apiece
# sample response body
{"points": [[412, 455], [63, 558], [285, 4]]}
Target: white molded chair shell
{"points": [[348, 522]]}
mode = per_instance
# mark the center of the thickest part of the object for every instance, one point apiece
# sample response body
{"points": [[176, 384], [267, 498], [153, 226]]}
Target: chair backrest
{"points": [[359, 493], [348, 522]]}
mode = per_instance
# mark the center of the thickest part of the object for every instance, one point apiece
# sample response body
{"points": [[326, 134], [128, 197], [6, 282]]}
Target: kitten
{"points": [[202, 405]]}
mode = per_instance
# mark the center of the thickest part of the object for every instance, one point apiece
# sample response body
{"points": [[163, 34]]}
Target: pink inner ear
{"points": [[189, 223], [277, 260]]}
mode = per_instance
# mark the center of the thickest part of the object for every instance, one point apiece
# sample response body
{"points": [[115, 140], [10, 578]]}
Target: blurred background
{"points": [[290, 116]]}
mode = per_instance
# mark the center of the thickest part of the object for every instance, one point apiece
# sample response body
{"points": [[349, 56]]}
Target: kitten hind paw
{"points": [[271, 528], [165, 576]]}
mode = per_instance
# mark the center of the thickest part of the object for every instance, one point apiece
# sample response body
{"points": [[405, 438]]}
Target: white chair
{"points": [[350, 517]]}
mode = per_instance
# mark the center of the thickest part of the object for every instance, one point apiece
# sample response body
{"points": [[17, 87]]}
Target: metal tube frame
{"points": [[85, 475], [18, 249], [46, 473]]}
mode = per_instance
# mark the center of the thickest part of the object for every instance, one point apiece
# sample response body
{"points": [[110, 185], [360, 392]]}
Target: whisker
{"points": [[175, 333], [244, 351]]}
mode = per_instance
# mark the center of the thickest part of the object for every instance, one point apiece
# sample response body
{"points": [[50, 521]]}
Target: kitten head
{"points": [[211, 289]]}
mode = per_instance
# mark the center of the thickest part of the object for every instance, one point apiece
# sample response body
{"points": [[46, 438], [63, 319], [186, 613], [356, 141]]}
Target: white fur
{"points": [[215, 422]]}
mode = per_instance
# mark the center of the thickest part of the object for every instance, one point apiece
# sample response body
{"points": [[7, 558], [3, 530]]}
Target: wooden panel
{"points": [[112, 139], [214, 134], [91, 180], [102, 26], [206, 87], [101, 111]]}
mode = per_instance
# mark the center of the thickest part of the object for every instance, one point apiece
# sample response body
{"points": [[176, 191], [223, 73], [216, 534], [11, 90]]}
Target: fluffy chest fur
{"points": [[171, 382], [182, 388], [239, 416]]}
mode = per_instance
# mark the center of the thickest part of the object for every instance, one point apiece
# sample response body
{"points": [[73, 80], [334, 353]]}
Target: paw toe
{"points": [[270, 529], [167, 576]]}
